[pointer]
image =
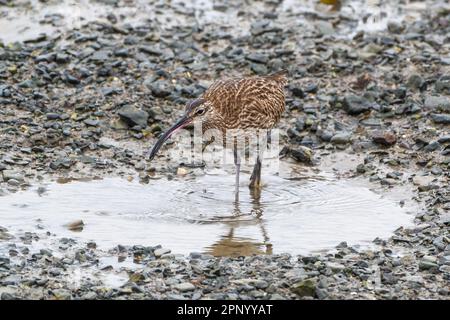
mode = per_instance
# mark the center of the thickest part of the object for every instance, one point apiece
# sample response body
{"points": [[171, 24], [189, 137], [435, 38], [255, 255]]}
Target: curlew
{"points": [[237, 103]]}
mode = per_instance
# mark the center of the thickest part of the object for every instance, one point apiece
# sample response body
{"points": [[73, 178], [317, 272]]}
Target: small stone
{"points": [[428, 264], [415, 81], [89, 296], [61, 162], [258, 68], [62, 294], [424, 183], [444, 139], [91, 122], [52, 116], [304, 288], [276, 296], [441, 118], [439, 243], [355, 105], [159, 252], [184, 287], [432, 146], [324, 28], [443, 85], [258, 57], [384, 138], [335, 267], [441, 103], [361, 168], [133, 116], [341, 138], [13, 182], [297, 91], [302, 154], [160, 88]]}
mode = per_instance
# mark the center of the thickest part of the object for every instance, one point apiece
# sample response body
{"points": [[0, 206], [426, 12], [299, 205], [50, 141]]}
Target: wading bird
{"points": [[236, 103]]}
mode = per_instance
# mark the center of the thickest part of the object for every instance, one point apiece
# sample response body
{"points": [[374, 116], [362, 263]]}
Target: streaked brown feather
{"points": [[243, 103]]}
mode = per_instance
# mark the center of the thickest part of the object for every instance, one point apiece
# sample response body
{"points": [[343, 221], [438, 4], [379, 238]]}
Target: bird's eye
{"points": [[200, 112]]}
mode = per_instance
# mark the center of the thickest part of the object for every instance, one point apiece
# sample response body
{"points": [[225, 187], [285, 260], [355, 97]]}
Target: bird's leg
{"points": [[255, 178], [237, 163]]}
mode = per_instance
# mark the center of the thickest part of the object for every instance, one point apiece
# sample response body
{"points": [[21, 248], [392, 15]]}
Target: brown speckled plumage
{"points": [[245, 103]]}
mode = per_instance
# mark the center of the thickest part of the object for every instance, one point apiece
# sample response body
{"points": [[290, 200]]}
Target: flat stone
{"points": [[441, 103], [441, 118], [324, 28], [304, 288], [335, 267], [258, 57], [10, 174], [427, 265], [341, 138], [355, 105], [184, 287], [424, 183], [444, 139], [384, 138], [133, 116], [302, 154], [159, 252]]}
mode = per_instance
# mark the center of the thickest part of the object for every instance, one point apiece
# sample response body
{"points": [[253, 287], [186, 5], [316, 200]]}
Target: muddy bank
{"points": [[87, 100]]}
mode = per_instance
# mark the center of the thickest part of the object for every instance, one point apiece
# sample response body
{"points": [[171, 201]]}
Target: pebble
{"points": [[133, 116], [302, 154], [159, 252], [355, 105], [441, 103], [341, 138], [304, 288], [184, 287], [441, 118], [384, 138]]}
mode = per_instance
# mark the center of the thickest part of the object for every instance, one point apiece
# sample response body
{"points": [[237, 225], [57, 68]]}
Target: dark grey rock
{"points": [[133, 116], [415, 82], [11, 174], [355, 105], [444, 139], [304, 288], [443, 85], [258, 57], [161, 88], [61, 163], [437, 103], [302, 154], [341, 138]]}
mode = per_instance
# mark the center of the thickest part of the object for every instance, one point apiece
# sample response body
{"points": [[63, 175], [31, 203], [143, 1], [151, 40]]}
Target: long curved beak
{"points": [[177, 126]]}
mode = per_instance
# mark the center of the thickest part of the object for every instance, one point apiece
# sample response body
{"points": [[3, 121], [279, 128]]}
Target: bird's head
{"points": [[198, 109]]}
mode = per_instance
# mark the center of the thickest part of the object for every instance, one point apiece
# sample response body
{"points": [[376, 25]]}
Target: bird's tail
{"points": [[279, 76]]}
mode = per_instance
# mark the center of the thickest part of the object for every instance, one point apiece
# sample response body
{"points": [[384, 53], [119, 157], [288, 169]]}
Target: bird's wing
{"points": [[249, 102], [222, 94]]}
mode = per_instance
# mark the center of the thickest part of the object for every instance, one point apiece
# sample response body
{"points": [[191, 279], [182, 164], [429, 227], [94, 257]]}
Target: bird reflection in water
{"points": [[232, 246]]}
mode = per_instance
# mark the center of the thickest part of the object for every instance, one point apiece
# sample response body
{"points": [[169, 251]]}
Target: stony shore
{"points": [[88, 102]]}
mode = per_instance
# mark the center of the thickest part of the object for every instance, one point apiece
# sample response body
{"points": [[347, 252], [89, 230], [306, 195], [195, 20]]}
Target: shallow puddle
{"points": [[192, 215]]}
